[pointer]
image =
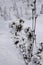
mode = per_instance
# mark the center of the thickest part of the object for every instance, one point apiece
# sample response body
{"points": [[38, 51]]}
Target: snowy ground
{"points": [[9, 54]]}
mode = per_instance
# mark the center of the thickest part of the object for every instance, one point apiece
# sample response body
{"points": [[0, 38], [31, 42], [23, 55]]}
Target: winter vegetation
{"points": [[21, 31], [23, 39]]}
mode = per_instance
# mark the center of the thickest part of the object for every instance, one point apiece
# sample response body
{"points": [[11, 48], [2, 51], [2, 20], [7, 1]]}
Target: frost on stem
{"points": [[36, 61], [40, 50]]}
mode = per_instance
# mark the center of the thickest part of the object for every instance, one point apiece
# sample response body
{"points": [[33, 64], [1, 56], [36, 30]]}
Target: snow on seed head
{"points": [[21, 21]]}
